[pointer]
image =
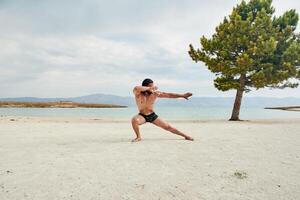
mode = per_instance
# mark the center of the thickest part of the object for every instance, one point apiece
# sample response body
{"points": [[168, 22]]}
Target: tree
{"points": [[252, 49]]}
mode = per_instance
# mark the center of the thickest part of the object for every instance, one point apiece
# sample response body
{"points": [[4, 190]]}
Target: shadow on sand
{"points": [[123, 140]]}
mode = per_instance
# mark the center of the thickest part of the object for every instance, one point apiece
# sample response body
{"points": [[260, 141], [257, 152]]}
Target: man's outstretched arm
{"points": [[173, 95]]}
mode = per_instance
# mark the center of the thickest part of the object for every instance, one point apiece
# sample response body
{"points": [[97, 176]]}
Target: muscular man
{"points": [[145, 97]]}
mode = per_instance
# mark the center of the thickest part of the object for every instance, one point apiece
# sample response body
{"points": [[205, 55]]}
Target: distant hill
{"points": [[59, 104], [194, 101]]}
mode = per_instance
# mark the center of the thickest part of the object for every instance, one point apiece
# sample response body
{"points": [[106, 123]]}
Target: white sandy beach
{"points": [[67, 158]]}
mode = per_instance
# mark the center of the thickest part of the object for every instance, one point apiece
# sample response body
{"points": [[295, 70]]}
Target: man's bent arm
{"points": [[138, 89]]}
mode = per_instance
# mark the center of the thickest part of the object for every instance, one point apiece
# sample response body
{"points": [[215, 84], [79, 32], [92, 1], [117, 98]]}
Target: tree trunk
{"points": [[238, 100]]}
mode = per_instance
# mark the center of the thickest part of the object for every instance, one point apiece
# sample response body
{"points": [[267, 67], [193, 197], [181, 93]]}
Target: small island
{"points": [[59, 104], [288, 108]]}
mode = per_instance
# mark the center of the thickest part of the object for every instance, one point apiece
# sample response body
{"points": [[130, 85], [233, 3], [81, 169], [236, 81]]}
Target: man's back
{"points": [[145, 101]]}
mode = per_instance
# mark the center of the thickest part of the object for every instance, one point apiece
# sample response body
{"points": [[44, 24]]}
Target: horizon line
{"points": [[132, 96]]}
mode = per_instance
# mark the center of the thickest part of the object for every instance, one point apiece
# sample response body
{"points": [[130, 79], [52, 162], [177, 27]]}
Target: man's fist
{"points": [[153, 88], [187, 95]]}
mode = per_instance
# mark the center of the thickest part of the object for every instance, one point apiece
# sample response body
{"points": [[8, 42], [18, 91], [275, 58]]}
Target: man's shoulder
{"points": [[135, 89]]}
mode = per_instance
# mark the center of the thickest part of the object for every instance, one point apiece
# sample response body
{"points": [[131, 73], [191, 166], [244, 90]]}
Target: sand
{"points": [[73, 158]]}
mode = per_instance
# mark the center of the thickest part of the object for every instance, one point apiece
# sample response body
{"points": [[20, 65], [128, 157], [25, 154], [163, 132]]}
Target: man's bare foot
{"points": [[189, 138], [136, 139]]}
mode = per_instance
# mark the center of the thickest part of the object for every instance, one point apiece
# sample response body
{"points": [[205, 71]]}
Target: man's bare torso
{"points": [[145, 102]]}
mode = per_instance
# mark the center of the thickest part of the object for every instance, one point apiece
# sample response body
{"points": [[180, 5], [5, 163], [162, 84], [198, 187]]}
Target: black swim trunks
{"points": [[149, 118]]}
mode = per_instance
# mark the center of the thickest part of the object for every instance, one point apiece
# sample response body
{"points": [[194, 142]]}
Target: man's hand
{"points": [[187, 95], [153, 88]]}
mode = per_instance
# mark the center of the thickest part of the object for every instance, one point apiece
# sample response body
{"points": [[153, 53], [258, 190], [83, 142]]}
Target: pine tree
{"points": [[252, 49]]}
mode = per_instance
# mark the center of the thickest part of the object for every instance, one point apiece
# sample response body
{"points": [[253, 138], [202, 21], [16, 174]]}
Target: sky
{"points": [[65, 48]]}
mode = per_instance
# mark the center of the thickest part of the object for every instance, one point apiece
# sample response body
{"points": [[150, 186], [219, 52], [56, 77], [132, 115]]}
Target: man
{"points": [[145, 97]]}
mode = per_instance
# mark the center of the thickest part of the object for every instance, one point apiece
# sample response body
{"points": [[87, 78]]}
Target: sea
{"points": [[168, 113]]}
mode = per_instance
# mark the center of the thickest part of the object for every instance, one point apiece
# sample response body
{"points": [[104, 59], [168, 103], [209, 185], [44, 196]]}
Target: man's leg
{"points": [[160, 123], [135, 122]]}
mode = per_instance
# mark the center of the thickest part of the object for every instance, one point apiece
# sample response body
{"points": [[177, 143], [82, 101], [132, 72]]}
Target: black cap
{"points": [[146, 82]]}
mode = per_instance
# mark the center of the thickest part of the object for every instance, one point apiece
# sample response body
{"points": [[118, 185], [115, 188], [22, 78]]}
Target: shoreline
{"points": [[45, 119], [285, 108], [55, 104]]}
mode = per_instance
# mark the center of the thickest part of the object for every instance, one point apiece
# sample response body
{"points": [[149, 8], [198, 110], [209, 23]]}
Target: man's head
{"points": [[147, 82]]}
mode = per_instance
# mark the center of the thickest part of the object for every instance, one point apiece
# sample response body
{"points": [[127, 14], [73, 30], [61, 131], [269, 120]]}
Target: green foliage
{"points": [[253, 44]]}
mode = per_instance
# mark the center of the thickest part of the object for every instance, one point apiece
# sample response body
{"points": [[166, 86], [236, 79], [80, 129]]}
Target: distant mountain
{"points": [[194, 101], [94, 98]]}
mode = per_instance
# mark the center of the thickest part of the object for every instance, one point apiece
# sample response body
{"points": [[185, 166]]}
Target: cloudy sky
{"points": [[65, 48]]}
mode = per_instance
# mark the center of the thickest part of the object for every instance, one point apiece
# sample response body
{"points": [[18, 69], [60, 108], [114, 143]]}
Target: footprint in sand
{"points": [[240, 174]]}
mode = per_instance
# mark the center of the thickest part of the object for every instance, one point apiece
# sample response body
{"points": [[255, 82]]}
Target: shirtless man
{"points": [[145, 97]]}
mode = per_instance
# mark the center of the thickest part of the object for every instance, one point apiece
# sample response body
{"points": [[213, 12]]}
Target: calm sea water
{"points": [[171, 113]]}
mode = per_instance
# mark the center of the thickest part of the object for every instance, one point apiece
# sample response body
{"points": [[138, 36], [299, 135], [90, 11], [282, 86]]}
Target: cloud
{"points": [[56, 48]]}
